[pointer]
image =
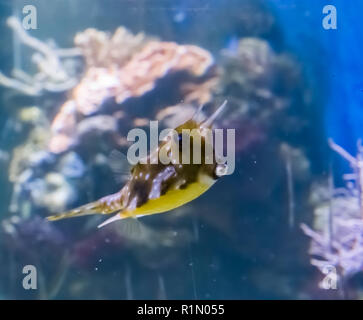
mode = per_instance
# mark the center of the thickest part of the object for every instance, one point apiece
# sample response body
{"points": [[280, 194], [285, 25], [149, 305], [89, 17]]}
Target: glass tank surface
{"points": [[181, 149]]}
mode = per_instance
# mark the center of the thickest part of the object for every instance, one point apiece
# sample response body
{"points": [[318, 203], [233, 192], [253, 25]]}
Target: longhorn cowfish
{"points": [[156, 187]]}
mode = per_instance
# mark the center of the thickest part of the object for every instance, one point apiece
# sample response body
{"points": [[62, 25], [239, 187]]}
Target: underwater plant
{"points": [[55, 73], [337, 241]]}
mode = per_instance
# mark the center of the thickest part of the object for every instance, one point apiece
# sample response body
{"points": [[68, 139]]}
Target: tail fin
{"points": [[87, 209]]}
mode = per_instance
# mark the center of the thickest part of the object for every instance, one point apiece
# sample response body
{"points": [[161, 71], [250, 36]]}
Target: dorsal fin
{"points": [[119, 165]]}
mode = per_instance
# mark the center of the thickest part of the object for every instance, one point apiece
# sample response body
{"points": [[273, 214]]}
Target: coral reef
{"points": [[63, 158], [125, 66], [98, 114], [259, 81], [101, 50], [337, 237], [54, 74]]}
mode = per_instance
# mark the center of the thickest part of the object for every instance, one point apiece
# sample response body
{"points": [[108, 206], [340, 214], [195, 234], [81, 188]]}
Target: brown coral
{"points": [[156, 60], [139, 75], [115, 71], [63, 127], [102, 50]]}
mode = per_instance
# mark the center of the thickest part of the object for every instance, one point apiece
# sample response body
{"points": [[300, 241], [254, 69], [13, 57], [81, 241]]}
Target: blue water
{"points": [[336, 58]]}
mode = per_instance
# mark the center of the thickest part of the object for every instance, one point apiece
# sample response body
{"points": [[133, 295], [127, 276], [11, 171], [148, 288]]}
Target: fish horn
{"points": [[197, 112], [210, 120]]}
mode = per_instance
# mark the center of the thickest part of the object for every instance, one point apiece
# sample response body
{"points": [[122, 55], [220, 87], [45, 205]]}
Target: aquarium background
{"points": [[290, 85]]}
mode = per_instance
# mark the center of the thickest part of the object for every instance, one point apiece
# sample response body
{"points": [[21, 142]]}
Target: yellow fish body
{"points": [[155, 187]]}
